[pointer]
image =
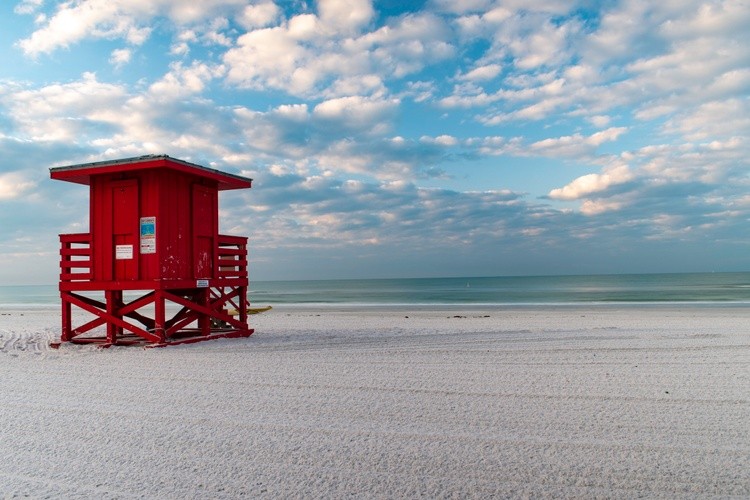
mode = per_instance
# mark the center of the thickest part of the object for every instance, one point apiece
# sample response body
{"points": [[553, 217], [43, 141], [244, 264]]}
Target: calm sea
{"points": [[716, 288]]}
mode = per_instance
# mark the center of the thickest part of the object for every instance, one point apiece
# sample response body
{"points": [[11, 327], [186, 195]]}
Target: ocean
{"points": [[707, 288]]}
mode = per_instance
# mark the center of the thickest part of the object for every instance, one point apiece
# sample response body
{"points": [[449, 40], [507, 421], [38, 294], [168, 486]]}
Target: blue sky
{"points": [[388, 139]]}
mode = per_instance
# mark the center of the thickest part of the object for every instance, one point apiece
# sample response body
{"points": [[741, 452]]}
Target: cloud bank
{"points": [[553, 138]]}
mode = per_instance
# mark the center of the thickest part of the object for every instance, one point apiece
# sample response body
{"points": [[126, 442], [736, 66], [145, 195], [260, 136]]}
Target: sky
{"points": [[394, 138]]}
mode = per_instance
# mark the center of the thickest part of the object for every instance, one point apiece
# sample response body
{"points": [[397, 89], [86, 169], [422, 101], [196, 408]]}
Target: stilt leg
{"points": [[243, 305], [66, 318], [112, 306], [204, 322], [159, 316]]}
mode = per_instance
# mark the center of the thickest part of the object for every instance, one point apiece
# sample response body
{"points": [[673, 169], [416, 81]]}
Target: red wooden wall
{"points": [[185, 209]]}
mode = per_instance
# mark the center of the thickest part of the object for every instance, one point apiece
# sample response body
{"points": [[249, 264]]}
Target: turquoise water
{"points": [[635, 288], [719, 288], [626, 288]]}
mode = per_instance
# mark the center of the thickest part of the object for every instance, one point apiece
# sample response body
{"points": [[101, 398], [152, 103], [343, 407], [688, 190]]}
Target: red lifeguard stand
{"points": [[153, 235]]}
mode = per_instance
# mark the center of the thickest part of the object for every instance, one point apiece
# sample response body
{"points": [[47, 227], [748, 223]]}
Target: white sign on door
{"points": [[123, 252]]}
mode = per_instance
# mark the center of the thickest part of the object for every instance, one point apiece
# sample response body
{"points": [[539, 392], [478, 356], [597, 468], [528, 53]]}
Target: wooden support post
{"points": [[66, 318], [244, 305], [204, 321], [113, 305], [160, 316]]}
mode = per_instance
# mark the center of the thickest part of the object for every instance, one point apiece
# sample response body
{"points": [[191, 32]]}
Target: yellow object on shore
{"points": [[258, 310], [251, 310]]}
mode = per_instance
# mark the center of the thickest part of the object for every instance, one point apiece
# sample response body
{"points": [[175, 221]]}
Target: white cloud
{"points": [[126, 19], [366, 84], [315, 56], [582, 73], [73, 22], [679, 64], [181, 46], [293, 112], [596, 207], [599, 120], [304, 27], [408, 44], [259, 15], [442, 140], [592, 184], [482, 73], [345, 15], [28, 6], [60, 112], [576, 145], [710, 18], [658, 60], [608, 135], [344, 106], [546, 46], [355, 109], [182, 81], [120, 57], [270, 58], [13, 185], [713, 119], [183, 12], [545, 94]]}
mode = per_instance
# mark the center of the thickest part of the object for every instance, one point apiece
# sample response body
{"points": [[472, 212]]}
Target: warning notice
{"points": [[148, 235], [123, 252]]}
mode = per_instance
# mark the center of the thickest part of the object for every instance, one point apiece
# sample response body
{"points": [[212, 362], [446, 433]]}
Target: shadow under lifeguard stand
{"points": [[153, 269]]}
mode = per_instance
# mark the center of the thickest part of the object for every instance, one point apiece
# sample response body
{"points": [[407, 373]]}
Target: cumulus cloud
{"points": [[27, 6], [120, 57], [259, 15], [486, 72], [329, 213], [63, 112], [710, 18], [270, 58], [333, 55], [345, 15], [660, 60], [355, 112], [442, 140], [73, 22], [14, 185], [115, 121], [125, 19], [576, 145], [182, 81], [341, 112], [596, 207], [726, 119], [592, 184]]}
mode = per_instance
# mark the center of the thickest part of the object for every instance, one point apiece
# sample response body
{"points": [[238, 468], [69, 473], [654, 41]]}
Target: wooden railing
{"points": [[232, 256], [75, 257]]}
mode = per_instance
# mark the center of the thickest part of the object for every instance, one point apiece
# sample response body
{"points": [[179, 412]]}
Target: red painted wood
{"points": [[124, 233], [204, 221], [184, 259]]}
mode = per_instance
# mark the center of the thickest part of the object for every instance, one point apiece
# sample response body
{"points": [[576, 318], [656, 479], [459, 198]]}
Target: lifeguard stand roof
{"points": [[81, 174]]}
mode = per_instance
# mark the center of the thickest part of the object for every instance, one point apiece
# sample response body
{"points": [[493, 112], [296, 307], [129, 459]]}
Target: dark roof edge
{"points": [[144, 158]]}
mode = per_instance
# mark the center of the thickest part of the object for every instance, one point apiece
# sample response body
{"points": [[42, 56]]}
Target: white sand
{"points": [[541, 402]]}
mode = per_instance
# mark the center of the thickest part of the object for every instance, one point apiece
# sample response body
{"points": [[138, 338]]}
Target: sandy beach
{"points": [[595, 401]]}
